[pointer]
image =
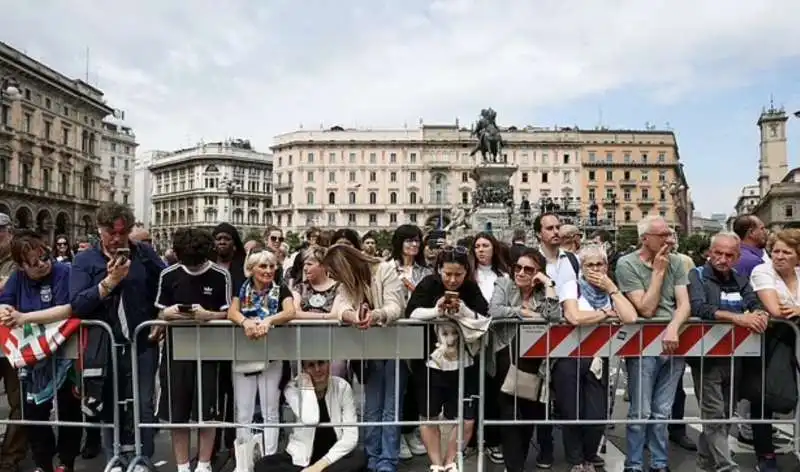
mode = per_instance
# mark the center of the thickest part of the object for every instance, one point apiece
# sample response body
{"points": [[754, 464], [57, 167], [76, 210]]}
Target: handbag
{"points": [[248, 451], [521, 384]]}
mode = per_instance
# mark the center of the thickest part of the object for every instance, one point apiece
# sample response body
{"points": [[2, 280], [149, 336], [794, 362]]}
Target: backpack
{"points": [[573, 260]]}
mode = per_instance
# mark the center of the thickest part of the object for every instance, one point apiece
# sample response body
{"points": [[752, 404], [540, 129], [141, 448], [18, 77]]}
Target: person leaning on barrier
{"points": [[371, 294], [316, 397], [577, 383], [36, 294], [777, 285], [451, 293], [194, 289], [530, 295], [718, 293], [262, 303], [655, 282]]}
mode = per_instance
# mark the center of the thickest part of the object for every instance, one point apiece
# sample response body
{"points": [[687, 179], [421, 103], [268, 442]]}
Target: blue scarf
{"points": [[259, 304], [597, 299]]}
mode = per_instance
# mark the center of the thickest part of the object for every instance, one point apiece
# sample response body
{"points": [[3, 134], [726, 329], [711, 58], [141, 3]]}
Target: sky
{"points": [[186, 71]]}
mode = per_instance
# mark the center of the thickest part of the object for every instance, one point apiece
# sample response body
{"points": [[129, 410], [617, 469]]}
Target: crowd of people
{"points": [[470, 292]]}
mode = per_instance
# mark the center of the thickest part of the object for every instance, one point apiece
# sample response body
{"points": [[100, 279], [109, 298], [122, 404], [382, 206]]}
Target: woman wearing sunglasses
{"points": [[451, 293], [529, 295], [577, 387]]}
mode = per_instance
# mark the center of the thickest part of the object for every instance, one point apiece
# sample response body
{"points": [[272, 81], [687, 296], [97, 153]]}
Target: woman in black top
{"points": [[451, 293]]}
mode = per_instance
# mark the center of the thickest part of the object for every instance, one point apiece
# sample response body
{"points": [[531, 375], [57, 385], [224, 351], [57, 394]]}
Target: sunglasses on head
{"points": [[459, 250], [527, 270]]}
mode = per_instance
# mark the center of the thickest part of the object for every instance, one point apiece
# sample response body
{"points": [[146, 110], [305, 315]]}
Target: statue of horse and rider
{"points": [[490, 143]]}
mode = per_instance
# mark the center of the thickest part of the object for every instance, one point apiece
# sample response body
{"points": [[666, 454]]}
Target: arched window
{"points": [[393, 198], [352, 198], [331, 198], [87, 183], [373, 198], [412, 198]]}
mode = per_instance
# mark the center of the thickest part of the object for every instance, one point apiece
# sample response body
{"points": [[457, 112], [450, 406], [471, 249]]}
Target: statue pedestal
{"points": [[492, 197]]}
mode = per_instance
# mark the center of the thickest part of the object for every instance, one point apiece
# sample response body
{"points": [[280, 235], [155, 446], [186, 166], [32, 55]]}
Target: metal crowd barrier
{"points": [[220, 341]]}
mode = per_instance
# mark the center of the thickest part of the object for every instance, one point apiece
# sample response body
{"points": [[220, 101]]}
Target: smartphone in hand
{"points": [[122, 255]]}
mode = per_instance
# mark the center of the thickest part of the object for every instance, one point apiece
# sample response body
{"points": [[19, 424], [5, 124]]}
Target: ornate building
{"points": [[50, 132], [629, 174], [207, 184], [118, 151], [368, 179], [780, 207]]}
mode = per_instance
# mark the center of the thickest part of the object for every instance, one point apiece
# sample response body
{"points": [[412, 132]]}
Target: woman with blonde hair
{"points": [[261, 304], [370, 293]]}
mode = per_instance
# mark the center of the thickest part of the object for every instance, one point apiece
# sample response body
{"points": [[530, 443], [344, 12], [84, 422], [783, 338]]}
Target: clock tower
{"points": [[773, 162]]}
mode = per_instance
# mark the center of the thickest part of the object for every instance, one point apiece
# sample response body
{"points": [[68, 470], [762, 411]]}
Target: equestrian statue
{"points": [[490, 143]]}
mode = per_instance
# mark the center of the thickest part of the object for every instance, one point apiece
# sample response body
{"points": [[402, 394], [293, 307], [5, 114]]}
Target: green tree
{"points": [[626, 237], [293, 240], [383, 239], [253, 234]]}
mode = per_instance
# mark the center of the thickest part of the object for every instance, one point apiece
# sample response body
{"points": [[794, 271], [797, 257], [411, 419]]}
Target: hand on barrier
{"points": [[789, 311], [201, 314], [610, 312], [262, 328], [11, 318], [174, 313], [361, 320], [157, 334], [670, 341], [756, 321]]}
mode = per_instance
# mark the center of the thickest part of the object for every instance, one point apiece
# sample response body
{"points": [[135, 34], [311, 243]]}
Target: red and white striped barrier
{"points": [[695, 340]]}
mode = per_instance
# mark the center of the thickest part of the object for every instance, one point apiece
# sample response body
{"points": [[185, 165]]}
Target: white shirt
{"points": [[486, 278], [764, 277], [563, 274]]}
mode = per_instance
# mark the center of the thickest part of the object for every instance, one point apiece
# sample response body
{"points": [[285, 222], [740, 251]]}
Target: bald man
{"points": [[570, 236], [141, 235]]}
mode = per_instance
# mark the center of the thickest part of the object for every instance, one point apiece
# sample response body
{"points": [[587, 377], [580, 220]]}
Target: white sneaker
{"points": [[405, 452], [415, 444]]}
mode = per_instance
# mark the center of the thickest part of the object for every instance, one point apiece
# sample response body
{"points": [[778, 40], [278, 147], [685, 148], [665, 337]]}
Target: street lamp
{"points": [[676, 191], [230, 187]]}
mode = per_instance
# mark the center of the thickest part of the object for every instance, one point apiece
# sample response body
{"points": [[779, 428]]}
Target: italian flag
{"points": [[25, 346]]}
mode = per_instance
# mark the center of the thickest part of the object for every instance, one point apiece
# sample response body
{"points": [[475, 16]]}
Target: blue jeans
{"points": [[651, 396], [383, 403], [148, 366]]}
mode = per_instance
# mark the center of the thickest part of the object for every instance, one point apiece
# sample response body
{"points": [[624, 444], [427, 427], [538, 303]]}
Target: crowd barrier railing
{"points": [[706, 346]]}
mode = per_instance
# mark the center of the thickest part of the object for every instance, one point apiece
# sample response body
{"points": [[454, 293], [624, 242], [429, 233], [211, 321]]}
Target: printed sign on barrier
{"points": [[695, 340]]}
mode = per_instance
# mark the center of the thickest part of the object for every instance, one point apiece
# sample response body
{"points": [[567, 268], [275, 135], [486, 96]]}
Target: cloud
{"points": [[254, 69]]}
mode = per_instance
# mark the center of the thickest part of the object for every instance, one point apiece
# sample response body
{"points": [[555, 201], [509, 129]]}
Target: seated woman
{"points": [[317, 398], [38, 293]]}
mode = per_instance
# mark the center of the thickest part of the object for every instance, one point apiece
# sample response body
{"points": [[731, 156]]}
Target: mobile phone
{"points": [[122, 255], [451, 296], [185, 308]]}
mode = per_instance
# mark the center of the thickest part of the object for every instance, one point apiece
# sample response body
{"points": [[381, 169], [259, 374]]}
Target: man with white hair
{"points": [[719, 293], [655, 281]]}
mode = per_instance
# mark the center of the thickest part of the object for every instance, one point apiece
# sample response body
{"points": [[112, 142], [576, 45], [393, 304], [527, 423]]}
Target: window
{"points": [[662, 196], [609, 175], [566, 158], [524, 177], [63, 186], [610, 194], [290, 159], [65, 136], [26, 175], [124, 198], [412, 217], [627, 157], [438, 180], [47, 103], [644, 158], [373, 219], [645, 176], [662, 214], [28, 123], [351, 218], [392, 176], [309, 176], [352, 158], [393, 218], [393, 198], [3, 170], [592, 156], [373, 158], [412, 198], [331, 177], [465, 198], [609, 157], [351, 198], [627, 216], [331, 159], [662, 157], [310, 198], [373, 176], [412, 177], [66, 110], [438, 196], [626, 175], [788, 211], [351, 176], [125, 182], [310, 157], [331, 198], [373, 198], [113, 162], [48, 128], [544, 177], [465, 177], [645, 194], [46, 180], [393, 158], [413, 157], [592, 195], [662, 176], [626, 195], [331, 219], [591, 176]]}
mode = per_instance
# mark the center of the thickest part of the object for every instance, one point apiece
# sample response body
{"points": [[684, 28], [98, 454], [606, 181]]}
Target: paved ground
{"points": [[681, 461]]}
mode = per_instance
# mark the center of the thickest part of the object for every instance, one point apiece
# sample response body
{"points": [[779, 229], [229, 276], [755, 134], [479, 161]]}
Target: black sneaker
{"points": [[495, 454], [597, 461], [544, 460]]}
